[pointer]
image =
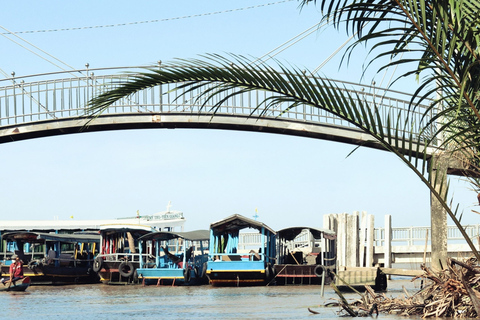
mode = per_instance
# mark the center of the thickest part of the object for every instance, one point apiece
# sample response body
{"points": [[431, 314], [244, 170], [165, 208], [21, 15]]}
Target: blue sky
{"points": [[207, 174]]}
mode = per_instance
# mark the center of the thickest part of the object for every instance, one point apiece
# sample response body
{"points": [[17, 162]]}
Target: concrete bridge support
{"points": [[438, 216]]}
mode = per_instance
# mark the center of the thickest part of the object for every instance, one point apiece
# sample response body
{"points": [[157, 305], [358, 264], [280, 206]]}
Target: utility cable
{"points": [[10, 32], [117, 25], [332, 55], [157, 20], [309, 30], [46, 53], [4, 73]]}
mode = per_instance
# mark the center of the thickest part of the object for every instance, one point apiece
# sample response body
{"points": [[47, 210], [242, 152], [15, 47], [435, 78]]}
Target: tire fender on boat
{"points": [[204, 271], [97, 264], [126, 269], [268, 272], [32, 264], [319, 270], [187, 275], [196, 272]]}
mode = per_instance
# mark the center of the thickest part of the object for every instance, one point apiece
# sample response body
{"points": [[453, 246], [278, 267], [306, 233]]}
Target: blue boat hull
{"points": [[238, 273], [167, 276]]}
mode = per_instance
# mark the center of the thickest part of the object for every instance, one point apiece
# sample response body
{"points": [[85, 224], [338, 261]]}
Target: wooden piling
{"points": [[370, 238], [388, 242]]}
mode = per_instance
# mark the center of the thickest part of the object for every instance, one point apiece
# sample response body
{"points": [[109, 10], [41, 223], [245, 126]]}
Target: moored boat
{"points": [[18, 285], [305, 255], [179, 258], [53, 258], [232, 262], [119, 255]]}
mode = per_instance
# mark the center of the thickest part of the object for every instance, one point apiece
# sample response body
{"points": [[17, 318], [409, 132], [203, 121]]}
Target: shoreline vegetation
{"points": [[451, 292]]}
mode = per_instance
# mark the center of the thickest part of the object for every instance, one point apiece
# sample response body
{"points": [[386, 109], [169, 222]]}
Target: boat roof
{"points": [[42, 237], [291, 233], [238, 222], [77, 225], [124, 227], [196, 235]]}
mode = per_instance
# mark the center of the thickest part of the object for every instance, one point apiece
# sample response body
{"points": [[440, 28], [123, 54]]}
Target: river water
{"points": [[102, 301]]}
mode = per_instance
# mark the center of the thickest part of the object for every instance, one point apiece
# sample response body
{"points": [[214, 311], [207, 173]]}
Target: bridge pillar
{"points": [[438, 215]]}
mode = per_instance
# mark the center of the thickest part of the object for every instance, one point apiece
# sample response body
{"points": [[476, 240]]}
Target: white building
{"points": [[162, 221]]}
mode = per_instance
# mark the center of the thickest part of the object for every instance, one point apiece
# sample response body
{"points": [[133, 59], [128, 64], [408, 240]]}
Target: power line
{"points": [[287, 44], [153, 21], [15, 35]]}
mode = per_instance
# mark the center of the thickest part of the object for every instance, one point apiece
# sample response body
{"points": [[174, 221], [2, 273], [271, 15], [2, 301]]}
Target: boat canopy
{"points": [[126, 227], [84, 238], [40, 237], [292, 232], [197, 235], [237, 222]]}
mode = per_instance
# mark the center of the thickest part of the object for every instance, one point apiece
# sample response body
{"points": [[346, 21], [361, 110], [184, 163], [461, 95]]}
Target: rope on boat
{"points": [[276, 275], [294, 258]]}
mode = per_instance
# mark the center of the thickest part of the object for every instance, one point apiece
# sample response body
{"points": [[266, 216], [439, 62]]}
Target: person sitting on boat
{"points": [[189, 254], [51, 255], [16, 270], [175, 259]]}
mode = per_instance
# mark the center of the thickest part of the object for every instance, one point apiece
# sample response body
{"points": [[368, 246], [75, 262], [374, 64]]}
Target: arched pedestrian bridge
{"points": [[54, 103]]}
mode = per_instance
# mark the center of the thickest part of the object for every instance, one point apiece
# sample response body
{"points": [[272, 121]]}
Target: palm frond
{"points": [[289, 88], [433, 39]]}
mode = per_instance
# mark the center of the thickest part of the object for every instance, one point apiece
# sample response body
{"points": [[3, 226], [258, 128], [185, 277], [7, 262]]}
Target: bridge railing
{"points": [[418, 235], [24, 102], [400, 236]]}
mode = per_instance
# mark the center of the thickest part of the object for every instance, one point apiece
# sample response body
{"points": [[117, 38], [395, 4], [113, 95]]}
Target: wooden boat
{"points": [[119, 255], [53, 258], [233, 263], [19, 285], [177, 258], [305, 255]]}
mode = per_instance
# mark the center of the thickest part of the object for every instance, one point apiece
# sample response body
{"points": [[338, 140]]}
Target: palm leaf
{"points": [[290, 88]]}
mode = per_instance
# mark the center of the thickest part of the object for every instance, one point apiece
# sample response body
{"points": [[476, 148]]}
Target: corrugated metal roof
{"points": [[292, 232], [74, 224], [41, 237], [196, 235], [238, 222]]}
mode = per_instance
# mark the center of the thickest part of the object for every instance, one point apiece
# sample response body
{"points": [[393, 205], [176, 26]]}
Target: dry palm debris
{"points": [[452, 292]]}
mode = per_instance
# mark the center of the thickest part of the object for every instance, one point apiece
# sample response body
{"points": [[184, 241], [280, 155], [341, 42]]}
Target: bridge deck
{"points": [[53, 104]]}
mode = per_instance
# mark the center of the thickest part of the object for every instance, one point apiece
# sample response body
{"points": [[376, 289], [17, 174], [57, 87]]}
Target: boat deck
{"points": [[292, 274]]}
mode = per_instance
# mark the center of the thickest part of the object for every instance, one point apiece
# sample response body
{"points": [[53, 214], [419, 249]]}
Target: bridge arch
{"points": [[178, 120], [53, 104]]}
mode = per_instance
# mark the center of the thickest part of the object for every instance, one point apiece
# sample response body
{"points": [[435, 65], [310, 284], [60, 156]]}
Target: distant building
{"points": [[163, 221]]}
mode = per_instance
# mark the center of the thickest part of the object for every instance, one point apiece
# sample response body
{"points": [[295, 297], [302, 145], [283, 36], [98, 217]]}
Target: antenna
{"points": [[256, 214]]}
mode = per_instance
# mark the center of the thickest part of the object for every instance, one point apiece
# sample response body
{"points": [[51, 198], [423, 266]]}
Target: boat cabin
{"points": [[305, 255], [179, 257], [53, 258], [120, 255], [232, 258]]}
